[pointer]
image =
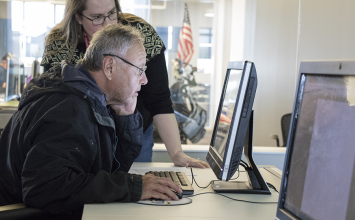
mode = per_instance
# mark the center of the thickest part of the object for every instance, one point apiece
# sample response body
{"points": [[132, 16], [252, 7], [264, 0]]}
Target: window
{"points": [[205, 43], [24, 36], [190, 86]]}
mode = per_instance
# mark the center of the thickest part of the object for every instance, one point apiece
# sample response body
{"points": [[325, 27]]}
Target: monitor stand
{"points": [[256, 183]]}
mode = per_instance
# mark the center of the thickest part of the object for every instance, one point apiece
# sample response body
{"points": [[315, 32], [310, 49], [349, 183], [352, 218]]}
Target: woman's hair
{"points": [[113, 39], [68, 30]]}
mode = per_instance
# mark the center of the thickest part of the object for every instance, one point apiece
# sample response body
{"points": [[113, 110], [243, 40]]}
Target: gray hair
{"points": [[113, 39]]}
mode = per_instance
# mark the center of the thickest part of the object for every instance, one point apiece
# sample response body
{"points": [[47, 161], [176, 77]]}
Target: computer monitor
{"points": [[318, 180], [233, 131], [36, 71], [15, 80]]}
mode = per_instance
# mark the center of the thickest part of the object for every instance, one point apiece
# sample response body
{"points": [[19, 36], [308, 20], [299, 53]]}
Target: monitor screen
{"points": [[226, 115], [320, 172], [14, 80]]}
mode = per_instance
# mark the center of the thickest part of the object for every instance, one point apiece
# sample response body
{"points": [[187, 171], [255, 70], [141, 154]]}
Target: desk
{"points": [[261, 154], [7, 109], [208, 206]]}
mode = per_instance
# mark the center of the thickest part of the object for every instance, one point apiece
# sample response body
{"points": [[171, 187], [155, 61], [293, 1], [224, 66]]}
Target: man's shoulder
{"points": [[66, 105]]}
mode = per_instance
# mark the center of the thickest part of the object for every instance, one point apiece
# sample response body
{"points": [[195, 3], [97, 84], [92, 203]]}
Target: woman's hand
{"points": [[182, 160]]}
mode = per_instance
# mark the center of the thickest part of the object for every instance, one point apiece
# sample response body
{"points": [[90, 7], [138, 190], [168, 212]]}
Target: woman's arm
{"points": [[168, 130]]}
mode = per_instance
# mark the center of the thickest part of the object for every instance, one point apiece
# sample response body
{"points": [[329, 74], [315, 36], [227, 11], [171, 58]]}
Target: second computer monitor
{"points": [[318, 181], [232, 119]]}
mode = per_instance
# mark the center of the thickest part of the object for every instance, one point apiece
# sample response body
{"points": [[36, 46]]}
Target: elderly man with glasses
{"points": [[77, 131]]}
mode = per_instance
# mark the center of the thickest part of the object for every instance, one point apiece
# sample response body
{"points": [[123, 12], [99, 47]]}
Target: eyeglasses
{"points": [[99, 20], [141, 70]]}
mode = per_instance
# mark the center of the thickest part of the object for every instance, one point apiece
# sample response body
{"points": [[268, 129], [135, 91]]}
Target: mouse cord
{"points": [[272, 187], [204, 187], [239, 200]]}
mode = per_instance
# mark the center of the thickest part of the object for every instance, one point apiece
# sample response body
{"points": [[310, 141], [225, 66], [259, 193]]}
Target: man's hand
{"points": [[126, 108], [182, 160], [159, 188]]}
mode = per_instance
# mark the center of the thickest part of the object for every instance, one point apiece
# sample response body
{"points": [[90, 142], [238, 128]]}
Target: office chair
{"points": [[22, 212], [285, 127]]}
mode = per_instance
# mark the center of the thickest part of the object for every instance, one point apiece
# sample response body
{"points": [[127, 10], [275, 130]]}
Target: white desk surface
{"points": [[207, 206]]}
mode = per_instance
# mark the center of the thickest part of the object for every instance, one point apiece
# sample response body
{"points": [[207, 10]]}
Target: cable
{"points": [[194, 180], [245, 163], [237, 176], [204, 187], [239, 200], [114, 156], [272, 187]]}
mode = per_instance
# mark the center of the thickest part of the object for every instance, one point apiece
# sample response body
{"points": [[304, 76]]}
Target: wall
{"points": [[327, 30], [270, 41], [285, 33]]}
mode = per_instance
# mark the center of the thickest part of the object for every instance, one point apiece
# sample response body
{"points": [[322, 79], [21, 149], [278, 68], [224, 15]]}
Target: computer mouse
{"points": [[179, 195]]}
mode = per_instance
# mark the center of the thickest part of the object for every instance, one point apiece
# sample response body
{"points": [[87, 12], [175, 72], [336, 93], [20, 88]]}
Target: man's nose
{"points": [[144, 79]]}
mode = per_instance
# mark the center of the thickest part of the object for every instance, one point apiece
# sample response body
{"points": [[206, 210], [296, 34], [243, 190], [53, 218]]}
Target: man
{"points": [[76, 132], [3, 68]]}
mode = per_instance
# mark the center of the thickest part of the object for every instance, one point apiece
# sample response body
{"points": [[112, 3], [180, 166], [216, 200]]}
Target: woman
{"points": [[69, 40]]}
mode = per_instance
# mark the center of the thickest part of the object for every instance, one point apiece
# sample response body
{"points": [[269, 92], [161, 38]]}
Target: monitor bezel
{"points": [[327, 67], [223, 171]]}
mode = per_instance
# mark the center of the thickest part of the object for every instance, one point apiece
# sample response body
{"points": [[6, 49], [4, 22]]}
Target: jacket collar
{"points": [[79, 78]]}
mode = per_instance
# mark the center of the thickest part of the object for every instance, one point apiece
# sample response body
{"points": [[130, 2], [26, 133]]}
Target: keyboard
{"points": [[178, 178]]}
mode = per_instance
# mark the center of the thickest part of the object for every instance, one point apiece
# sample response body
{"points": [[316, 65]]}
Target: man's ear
{"points": [[107, 66], [78, 18]]}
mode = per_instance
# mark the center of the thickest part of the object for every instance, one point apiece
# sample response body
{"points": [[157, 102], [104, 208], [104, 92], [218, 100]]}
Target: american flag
{"points": [[186, 47]]}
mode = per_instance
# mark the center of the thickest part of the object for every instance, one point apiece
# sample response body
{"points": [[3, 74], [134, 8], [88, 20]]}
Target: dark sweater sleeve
{"points": [[156, 94], [63, 170]]}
